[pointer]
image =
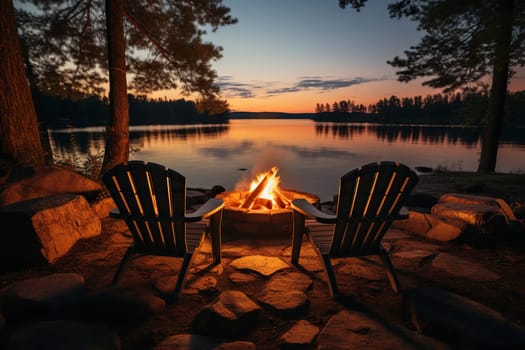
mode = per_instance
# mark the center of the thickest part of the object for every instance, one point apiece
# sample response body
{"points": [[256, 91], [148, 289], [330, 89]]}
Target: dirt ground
{"points": [[504, 257]]}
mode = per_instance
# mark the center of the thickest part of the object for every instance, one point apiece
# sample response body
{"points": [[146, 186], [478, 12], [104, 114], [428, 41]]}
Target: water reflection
{"points": [[405, 133], [84, 140], [310, 156]]}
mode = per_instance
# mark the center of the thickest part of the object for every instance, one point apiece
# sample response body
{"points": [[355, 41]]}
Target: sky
{"points": [[289, 55]]}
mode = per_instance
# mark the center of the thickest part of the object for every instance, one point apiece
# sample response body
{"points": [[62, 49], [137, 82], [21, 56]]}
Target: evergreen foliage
{"points": [[65, 45], [468, 108]]}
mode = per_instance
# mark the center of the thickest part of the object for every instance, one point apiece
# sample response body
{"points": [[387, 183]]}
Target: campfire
{"points": [[263, 209], [264, 192]]}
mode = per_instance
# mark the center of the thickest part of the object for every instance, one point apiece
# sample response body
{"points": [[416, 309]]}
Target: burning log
{"points": [[262, 203], [280, 199], [258, 190]]}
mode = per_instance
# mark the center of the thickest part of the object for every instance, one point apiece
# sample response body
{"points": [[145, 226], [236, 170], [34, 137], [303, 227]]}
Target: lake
{"points": [[311, 156]]}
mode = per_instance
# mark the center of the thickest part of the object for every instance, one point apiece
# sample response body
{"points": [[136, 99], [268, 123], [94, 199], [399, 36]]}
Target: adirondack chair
{"points": [[370, 198], [152, 200]]}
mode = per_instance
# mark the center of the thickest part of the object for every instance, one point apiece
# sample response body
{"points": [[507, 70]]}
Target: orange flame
{"points": [[273, 182]]}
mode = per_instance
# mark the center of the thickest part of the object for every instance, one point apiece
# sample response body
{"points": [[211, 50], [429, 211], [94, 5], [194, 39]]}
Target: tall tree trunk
{"points": [[19, 134], [500, 78], [117, 140]]}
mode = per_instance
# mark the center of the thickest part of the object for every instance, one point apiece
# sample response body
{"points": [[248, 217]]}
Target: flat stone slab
{"points": [[265, 265], [63, 335], [55, 290], [394, 234], [198, 342], [414, 254], [242, 278], [301, 335], [473, 325], [292, 280], [409, 245], [232, 313], [362, 269], [357, 330], [463, 268], [201, 285], [283, 301]]}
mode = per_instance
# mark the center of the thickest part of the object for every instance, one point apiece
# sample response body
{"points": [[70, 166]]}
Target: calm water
{"points": [[310, 156]]}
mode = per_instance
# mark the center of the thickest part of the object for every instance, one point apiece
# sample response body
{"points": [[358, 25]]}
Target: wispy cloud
{"points": [[231, 88]]}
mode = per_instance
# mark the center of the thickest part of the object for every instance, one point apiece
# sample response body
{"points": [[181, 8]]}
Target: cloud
{"points": [[231, 88], [236, 89], [323, 84]]}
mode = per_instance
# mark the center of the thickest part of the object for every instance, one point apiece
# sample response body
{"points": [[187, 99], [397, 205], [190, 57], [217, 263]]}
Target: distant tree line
{"points": [[465, 108], [94, 110]]}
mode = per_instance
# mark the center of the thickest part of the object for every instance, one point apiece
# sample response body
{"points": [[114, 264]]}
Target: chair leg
{"points": [[297, 236], [328, 269], [182, 274], [394, 282], [215, 235], [124, 260]]}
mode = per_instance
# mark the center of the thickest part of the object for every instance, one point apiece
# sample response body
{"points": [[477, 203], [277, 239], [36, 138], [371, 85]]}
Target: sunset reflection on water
{"points": [[310, 156]]}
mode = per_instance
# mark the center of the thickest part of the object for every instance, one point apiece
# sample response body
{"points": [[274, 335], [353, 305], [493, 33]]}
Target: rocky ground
{"points": [[293, 308]]}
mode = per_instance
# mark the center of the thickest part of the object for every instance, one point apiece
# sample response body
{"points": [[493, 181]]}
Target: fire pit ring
{"points": [[241, 223]]}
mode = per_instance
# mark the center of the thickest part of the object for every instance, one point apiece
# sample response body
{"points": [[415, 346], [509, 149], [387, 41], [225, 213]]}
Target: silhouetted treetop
{"points": [[65, 45]]}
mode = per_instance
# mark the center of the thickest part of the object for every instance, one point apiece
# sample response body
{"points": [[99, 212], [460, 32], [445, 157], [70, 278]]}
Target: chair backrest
{"points": [[369, 200], [152, 200]]}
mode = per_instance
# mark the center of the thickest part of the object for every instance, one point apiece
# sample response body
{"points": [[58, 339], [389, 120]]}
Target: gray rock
{"points": [[472, 214], [414, 254], [292, 280], [48, 181], [461, 321], [283, 301], [44, 229], [463, 268], [301, 335], [357, 330], [53, 291], [363, 269], [122, 304], [198, 342], [482, 200], [265, 265], [242, 278], [231, 314], [431, 226], [63, 335], [201, 285], [103, 206]]}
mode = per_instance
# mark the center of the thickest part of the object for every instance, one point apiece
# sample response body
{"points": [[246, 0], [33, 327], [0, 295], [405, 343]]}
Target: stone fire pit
{"points": [[238, 222]]}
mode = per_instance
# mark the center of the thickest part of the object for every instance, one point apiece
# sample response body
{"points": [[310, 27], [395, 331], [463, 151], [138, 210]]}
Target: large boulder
{"points": [[461, 322], [44, 229], [454, 215], [63, 335], [42, 181], [231, 314]]}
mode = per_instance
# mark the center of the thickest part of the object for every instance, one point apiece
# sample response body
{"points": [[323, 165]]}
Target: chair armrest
{"points": [[304, 207], [209, 208]]}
